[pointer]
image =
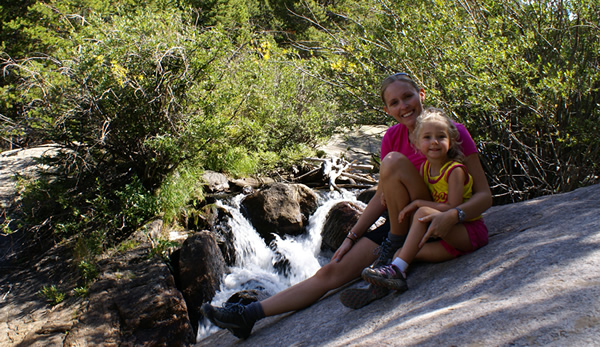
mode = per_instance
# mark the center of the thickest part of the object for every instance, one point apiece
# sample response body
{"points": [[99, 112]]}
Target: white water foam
{"points": [[254, 266]]}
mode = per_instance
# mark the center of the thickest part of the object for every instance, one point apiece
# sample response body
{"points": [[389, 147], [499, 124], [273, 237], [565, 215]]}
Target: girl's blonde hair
{"points": [[432, 114]]}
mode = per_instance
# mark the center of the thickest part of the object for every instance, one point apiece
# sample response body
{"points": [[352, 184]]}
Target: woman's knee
{"points": [[329, 275], [394, 161]]}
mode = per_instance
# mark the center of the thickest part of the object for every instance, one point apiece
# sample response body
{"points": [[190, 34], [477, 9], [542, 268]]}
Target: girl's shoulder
{"points": [[449, 167]]}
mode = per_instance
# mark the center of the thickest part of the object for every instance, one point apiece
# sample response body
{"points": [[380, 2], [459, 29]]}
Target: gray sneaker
{"points": [[230, 317], [385, 252], [359, 297], [388, 276]]}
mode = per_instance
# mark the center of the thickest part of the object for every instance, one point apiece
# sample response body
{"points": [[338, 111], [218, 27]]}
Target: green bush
{"points": [[142, 101], [52, 295], [523, 76]]}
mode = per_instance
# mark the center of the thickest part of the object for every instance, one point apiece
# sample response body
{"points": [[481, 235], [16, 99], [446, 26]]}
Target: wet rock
{"points": [[247, 296], [281, 209], [224, 236], [340, 219], [366, 195], [201, 267]]}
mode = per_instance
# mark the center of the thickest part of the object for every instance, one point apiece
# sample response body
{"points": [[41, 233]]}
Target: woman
{"points": [[400, 183]]}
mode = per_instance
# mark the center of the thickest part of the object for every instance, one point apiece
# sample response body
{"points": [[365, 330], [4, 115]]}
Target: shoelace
{"points": [[383, 248], [234, 307]]}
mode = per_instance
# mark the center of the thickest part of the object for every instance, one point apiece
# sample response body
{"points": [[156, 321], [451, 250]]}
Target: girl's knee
{"points": [[423, 212]]}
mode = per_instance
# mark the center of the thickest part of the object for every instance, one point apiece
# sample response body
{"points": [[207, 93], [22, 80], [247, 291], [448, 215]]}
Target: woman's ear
{"points": [[422, 94]]}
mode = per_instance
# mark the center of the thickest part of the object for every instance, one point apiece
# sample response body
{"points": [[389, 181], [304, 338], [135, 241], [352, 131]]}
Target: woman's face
{"points": [[404, 103]]}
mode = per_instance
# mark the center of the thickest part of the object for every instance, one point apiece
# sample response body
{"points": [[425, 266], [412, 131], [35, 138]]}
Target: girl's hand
{"points": [[408, 210], [440, 225], [344, 248]]}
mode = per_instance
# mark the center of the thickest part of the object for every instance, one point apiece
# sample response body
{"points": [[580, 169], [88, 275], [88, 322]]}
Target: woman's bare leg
{"points": [[331, 276], [401, 184]]}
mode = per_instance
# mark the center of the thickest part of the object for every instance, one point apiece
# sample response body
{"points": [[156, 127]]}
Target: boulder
{"points": [[215, 181], [212, 217], [281, 209], [133, 303], [201, 267], [366, 195], [340, 219]]}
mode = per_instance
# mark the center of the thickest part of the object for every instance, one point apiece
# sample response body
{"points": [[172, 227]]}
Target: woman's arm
{"points": [[482, 195], [372, 212]]}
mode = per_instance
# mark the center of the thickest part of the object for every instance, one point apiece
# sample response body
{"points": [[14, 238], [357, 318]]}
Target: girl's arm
{"points": [[456, 184], [482, 195], [479, 202]]}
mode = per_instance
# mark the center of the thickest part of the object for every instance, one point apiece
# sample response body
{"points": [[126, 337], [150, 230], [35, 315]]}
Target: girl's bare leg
{"points": [[401, 184], [331, 276], [432, 252]]}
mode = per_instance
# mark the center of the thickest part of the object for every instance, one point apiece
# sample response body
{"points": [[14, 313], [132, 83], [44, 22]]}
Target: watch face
{"points": [[461, 214]]}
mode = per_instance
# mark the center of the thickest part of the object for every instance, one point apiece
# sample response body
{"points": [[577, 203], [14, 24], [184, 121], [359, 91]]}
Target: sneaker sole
{"points": [[356, 298]]}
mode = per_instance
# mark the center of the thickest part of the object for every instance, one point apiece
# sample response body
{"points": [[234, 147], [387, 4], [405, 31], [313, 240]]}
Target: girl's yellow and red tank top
{"points": [[438, 185]]}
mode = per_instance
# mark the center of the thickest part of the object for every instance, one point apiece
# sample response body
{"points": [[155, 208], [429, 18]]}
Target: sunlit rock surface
{"points": [[536, 283]]}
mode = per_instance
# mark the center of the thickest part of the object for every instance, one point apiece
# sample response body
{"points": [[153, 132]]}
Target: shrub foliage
{"points": [[144, 96]]}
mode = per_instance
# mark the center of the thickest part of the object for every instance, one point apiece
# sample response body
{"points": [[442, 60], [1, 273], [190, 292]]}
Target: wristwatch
{"points": [[461, 214]]}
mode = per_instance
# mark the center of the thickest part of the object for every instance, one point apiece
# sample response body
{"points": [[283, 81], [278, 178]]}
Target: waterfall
{"points": [[254, 266]]}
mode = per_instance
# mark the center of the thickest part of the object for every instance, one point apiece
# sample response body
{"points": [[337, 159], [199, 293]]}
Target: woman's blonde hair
{"points": [[400, 76], [432, 114]]}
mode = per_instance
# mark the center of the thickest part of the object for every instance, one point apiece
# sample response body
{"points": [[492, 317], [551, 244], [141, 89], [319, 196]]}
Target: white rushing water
{"points": [[254, 267]]}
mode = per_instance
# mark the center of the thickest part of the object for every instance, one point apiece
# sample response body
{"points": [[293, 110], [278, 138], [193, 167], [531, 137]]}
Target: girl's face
{"points": [[404, 103], [434, 140]]}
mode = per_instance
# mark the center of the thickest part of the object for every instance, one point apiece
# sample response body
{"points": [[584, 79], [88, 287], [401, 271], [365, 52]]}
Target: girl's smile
{"points": [[434, 141]]}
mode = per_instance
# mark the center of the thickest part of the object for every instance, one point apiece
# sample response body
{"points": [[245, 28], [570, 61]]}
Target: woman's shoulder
{"points": [[396, 128], [394, 133], [466, 140]]}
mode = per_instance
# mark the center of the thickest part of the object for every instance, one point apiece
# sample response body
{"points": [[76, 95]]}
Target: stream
{"points": [[254, 265]]}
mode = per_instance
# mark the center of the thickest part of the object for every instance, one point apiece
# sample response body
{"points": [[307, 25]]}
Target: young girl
{"points": [[450, 185]]}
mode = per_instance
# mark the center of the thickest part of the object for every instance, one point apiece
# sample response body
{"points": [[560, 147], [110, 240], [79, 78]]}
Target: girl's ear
{"points": [[422, 94], [386, 109]]}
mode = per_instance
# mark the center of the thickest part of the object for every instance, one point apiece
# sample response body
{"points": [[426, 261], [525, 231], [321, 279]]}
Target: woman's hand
{"points": [[440, 224], [342, 250]]}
